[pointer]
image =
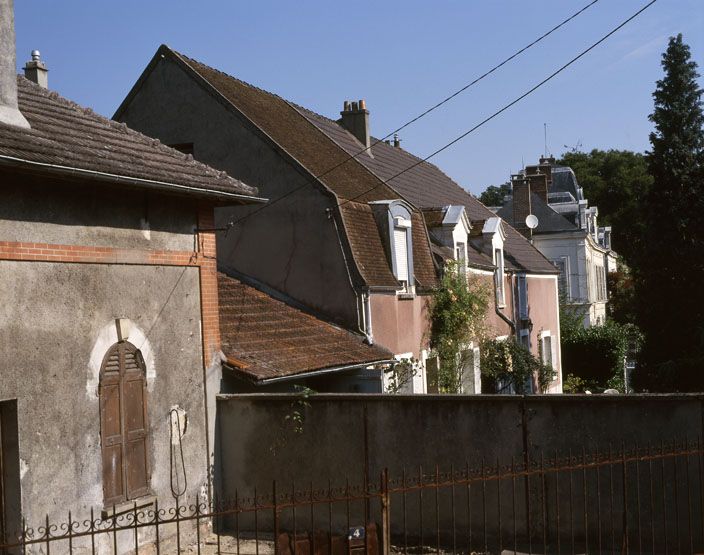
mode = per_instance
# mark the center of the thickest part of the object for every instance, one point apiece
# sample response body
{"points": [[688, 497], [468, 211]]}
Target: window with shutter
{"points": [[499, 277], [522, 297], [401, 253], [123, 424]]}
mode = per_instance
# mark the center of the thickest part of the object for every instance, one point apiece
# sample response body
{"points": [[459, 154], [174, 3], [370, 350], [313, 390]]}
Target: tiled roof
{"points": [[549, 221], [64, 135], [269, 338], [426, 186], [293, 132]]}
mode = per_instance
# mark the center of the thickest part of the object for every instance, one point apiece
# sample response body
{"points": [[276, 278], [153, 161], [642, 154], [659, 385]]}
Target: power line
{"points": [[507, 106], [422, 114]]}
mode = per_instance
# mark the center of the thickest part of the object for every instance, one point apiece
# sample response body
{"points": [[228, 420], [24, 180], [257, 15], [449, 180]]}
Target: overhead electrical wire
{"points": [[507, 106], [424, 113]]}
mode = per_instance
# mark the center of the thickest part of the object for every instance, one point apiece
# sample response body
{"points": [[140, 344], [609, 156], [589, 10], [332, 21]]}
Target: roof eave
{"points": [[163, 186], [305, 374]]}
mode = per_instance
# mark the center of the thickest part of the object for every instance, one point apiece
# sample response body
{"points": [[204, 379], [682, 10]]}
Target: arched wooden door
{"points": [[123, 424]]}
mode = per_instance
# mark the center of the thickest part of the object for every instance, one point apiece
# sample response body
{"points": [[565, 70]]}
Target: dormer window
{"points": [[461, 257], [402, 228], [493, 237], [499, 277], [394, 220]]}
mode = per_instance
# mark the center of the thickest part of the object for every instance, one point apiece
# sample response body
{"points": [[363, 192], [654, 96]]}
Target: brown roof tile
{"points": [[66, 135], [271, 339], [319, 154], [426, 186]]}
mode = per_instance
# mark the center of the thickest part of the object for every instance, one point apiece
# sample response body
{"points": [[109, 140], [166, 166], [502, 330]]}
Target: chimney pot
{"points": [[36, 71], [355, 118], [397, 141]]}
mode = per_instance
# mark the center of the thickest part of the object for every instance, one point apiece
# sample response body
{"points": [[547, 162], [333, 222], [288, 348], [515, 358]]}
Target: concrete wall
{"points": [[291, 246], [400, 325], [350, 437], [57, 321]]}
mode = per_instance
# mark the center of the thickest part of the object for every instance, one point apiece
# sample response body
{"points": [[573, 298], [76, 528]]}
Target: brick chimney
{"points": [[521, 203], [539, 185], [35, 70], [355, 118], [9, 111]]}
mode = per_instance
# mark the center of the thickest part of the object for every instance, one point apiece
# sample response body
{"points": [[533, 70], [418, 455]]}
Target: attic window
{"points": [[461, 257], [401, 252], [499, 277], [394, 220]]}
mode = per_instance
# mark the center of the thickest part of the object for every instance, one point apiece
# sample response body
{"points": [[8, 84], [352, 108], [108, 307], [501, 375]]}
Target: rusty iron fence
{"points": [[637, 499]]}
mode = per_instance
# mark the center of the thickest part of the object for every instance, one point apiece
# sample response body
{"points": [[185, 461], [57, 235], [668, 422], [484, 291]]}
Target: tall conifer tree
{"points": [[670, 268]]}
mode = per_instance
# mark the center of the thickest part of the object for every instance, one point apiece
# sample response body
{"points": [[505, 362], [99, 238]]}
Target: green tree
{"points": [[614, 181], [494, 195], [668, 276], [457, 314]]}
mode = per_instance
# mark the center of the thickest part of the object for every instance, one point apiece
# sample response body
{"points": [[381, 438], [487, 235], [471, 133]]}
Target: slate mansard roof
{"points": [[67, 139], [252, 322], [549, 221]]}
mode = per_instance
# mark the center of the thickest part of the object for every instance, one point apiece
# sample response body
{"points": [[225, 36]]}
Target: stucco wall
{"points": [[350, 437], [400, 325], [292, 245], [56, 323], [98, 215], [545, 315]]}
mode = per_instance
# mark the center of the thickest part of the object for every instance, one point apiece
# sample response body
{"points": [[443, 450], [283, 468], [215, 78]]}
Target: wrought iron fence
{"points": [[642, 499]]}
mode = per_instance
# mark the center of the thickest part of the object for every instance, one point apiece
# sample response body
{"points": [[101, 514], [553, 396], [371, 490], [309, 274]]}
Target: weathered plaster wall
{"points": [[54, 212], [545, 315], [292, 245], [400, 325], [56, 321], [348, 437]]}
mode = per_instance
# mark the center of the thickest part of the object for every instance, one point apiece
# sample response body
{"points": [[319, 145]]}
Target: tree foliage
{"points": [[494, 195], [668, 275], [508, 367], [457, 316], [614, 181]]}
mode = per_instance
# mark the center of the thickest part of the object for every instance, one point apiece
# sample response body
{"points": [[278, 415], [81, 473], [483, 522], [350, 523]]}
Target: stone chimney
{"points": [[35, 70], [521, 203], [355, 118], [9, 112]]}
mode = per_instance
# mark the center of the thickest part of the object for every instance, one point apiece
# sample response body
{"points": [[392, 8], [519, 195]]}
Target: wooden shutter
{"points": [[401, 253], [123, 424], [111, 428]]}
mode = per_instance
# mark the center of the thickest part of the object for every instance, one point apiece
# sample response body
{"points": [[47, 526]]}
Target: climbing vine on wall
{"points": [[509, 367], [457, 315]]}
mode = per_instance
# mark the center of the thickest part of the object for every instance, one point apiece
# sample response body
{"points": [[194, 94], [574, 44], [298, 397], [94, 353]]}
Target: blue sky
{"points": [[400, 56]]}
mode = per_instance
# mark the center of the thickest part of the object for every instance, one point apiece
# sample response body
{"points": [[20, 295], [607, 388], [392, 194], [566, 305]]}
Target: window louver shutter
{"points": [[401, 253]]}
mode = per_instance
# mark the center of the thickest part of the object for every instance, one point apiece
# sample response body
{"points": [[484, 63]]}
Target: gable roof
{"points": [[426, 186], [266, 338], [67, 139], [549, 221], [323, 157]]}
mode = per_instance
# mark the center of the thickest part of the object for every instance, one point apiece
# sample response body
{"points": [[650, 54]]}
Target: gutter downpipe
{"points": [[505, 318]]}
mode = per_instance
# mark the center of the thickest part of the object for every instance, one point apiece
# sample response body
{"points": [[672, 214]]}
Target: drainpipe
{"points": [[505, 318], [368, 317]]}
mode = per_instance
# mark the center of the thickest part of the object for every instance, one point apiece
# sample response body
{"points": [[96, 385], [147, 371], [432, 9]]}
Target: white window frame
{"points": [[564, 275], [403, 224], [499, 277]]}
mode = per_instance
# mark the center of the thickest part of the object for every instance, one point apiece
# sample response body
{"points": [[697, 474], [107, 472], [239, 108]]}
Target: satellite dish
{"points": [[531, 221]]}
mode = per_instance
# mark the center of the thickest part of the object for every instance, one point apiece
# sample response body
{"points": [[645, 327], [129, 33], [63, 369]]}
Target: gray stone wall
{"points": [[292, 245]]}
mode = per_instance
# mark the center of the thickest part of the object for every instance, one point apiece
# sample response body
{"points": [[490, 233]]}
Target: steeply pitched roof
{"points": [[426, 186], [321, 156], [549, 221], [565, 181], [271, 339], [65, 136]]}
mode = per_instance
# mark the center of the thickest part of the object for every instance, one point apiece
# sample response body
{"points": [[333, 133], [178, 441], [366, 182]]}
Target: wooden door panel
{"points": [[136, 468], [134, 406], [113, 487], [110, 411]]}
